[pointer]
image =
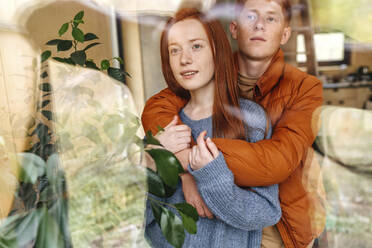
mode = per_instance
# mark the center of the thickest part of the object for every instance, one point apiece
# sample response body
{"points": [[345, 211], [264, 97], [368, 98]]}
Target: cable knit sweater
{"points": [[240, 214]]}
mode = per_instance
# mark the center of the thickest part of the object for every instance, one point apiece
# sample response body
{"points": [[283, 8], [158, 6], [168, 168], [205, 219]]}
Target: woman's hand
{"points": [[202, 153], [175, 137], [192, 196]]}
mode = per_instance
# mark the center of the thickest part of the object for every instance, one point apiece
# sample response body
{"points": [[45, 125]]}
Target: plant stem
{"points": [[160, 202], [74, 41]]}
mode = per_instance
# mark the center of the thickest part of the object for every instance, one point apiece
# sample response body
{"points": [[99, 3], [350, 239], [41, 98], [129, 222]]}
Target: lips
{"points": [[187, 74], [257, 39]]}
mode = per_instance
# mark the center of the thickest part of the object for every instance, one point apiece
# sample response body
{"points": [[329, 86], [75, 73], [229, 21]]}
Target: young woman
{"points": [[197, 65]]}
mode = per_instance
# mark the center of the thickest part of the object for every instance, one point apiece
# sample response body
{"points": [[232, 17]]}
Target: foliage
{"points": [[163, 183], [78, 56], [42, 182], [329, 16]]}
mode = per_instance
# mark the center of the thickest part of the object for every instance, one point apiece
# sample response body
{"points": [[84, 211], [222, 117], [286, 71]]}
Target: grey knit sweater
{"points": [[240, 214]]}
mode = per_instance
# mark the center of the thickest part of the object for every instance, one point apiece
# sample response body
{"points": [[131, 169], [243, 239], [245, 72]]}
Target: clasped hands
{"points": [[177, 139]]}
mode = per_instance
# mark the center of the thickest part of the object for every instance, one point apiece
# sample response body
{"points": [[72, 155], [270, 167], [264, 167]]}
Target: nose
{"points": [[260, 23], [186, 57]]}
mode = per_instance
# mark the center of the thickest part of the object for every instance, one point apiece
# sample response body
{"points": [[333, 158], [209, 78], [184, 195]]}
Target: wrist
{"points": [[184, 175]]}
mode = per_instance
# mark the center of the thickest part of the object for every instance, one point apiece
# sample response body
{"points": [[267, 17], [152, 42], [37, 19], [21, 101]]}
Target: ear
{"points": [[234, 29], [286, 35]]}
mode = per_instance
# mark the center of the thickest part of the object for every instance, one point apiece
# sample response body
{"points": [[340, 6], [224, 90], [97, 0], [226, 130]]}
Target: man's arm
{"points": [[273, 161], [160, 110], [266, 162]]}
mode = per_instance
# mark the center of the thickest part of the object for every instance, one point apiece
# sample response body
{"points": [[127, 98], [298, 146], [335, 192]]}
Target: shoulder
{"points": [[164, 95], [301, 83], [295, 75]]}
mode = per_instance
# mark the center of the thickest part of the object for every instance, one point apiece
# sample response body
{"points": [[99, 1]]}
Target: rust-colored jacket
{"points": [[292, 99]]}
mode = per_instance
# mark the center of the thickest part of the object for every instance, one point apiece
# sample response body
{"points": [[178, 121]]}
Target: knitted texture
{"points": [[240, 214]]}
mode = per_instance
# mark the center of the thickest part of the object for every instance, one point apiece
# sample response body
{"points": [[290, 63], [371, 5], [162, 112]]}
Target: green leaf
{"points": [[64, 45], [45, 55], [91, 45], [188, 223], [119, 59], [46, 87], [91, 132], [47, 150], [188, 210], [55, 175], [79, 15], [44, 103], [78, 34], [116, 73], [79, 57], [105, 64], [53, 42], [21, 229], [64, 60], [91, 64], [59, 211], [156, 210], [47, 114], [151, 140], [77, 22], [189, 216], [44, 74], [160, 129], [172, 228], [90, 36], [155, 184], [48, 233], [63, 29], [169, 191], [167, 166], [32, 167], [27, 193]]}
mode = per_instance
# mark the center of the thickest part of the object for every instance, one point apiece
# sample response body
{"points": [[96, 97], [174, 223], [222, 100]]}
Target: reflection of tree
{"points": [[350, 17], [92, 119], [345, 140], [361, 169]]}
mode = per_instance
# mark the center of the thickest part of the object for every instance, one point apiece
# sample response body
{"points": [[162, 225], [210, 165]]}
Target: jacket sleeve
{"points": [[266, 162], [241, 208], [160, 109], [272, 161]]}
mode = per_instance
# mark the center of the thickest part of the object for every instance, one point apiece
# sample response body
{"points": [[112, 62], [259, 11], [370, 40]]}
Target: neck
{"points": [[252, 68], [201, 102]]}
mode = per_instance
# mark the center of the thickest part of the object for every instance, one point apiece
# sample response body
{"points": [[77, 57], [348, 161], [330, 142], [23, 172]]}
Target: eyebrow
{"points": [[192, 40], [271, 12]]}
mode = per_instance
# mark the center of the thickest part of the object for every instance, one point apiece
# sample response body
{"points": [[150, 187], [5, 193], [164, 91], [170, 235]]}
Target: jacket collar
{"points": [[272, 75]]}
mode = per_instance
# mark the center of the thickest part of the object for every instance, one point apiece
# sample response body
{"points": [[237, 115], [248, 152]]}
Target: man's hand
{"points": [[175, 137], [193, 197], [202, 153]]}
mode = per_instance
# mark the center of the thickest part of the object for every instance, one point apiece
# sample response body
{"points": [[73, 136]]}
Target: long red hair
{"points": [[227, 122]]}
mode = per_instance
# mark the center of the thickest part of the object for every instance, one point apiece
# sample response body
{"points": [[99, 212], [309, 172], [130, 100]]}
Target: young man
{"points": [[292, 100]]}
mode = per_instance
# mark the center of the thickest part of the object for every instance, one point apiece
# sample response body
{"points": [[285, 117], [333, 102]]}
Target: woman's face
{"points": [[190, 54]]}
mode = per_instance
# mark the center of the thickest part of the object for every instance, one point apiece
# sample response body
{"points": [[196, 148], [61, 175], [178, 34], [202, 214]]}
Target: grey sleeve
{"points": [[251, 209]]}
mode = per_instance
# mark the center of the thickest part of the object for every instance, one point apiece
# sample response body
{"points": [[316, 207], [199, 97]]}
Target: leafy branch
{"points": [[78, 55]]}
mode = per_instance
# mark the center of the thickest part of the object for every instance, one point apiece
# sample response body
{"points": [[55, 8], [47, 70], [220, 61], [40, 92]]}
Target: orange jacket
{"points": [[292, 99]]}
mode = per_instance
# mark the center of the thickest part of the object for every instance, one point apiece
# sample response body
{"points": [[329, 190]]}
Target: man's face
{"points": [[260, 29]]}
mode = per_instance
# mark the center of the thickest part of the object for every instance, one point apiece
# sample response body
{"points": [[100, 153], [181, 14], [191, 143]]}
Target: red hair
{"points": [[226, 123], [285, 4]]}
